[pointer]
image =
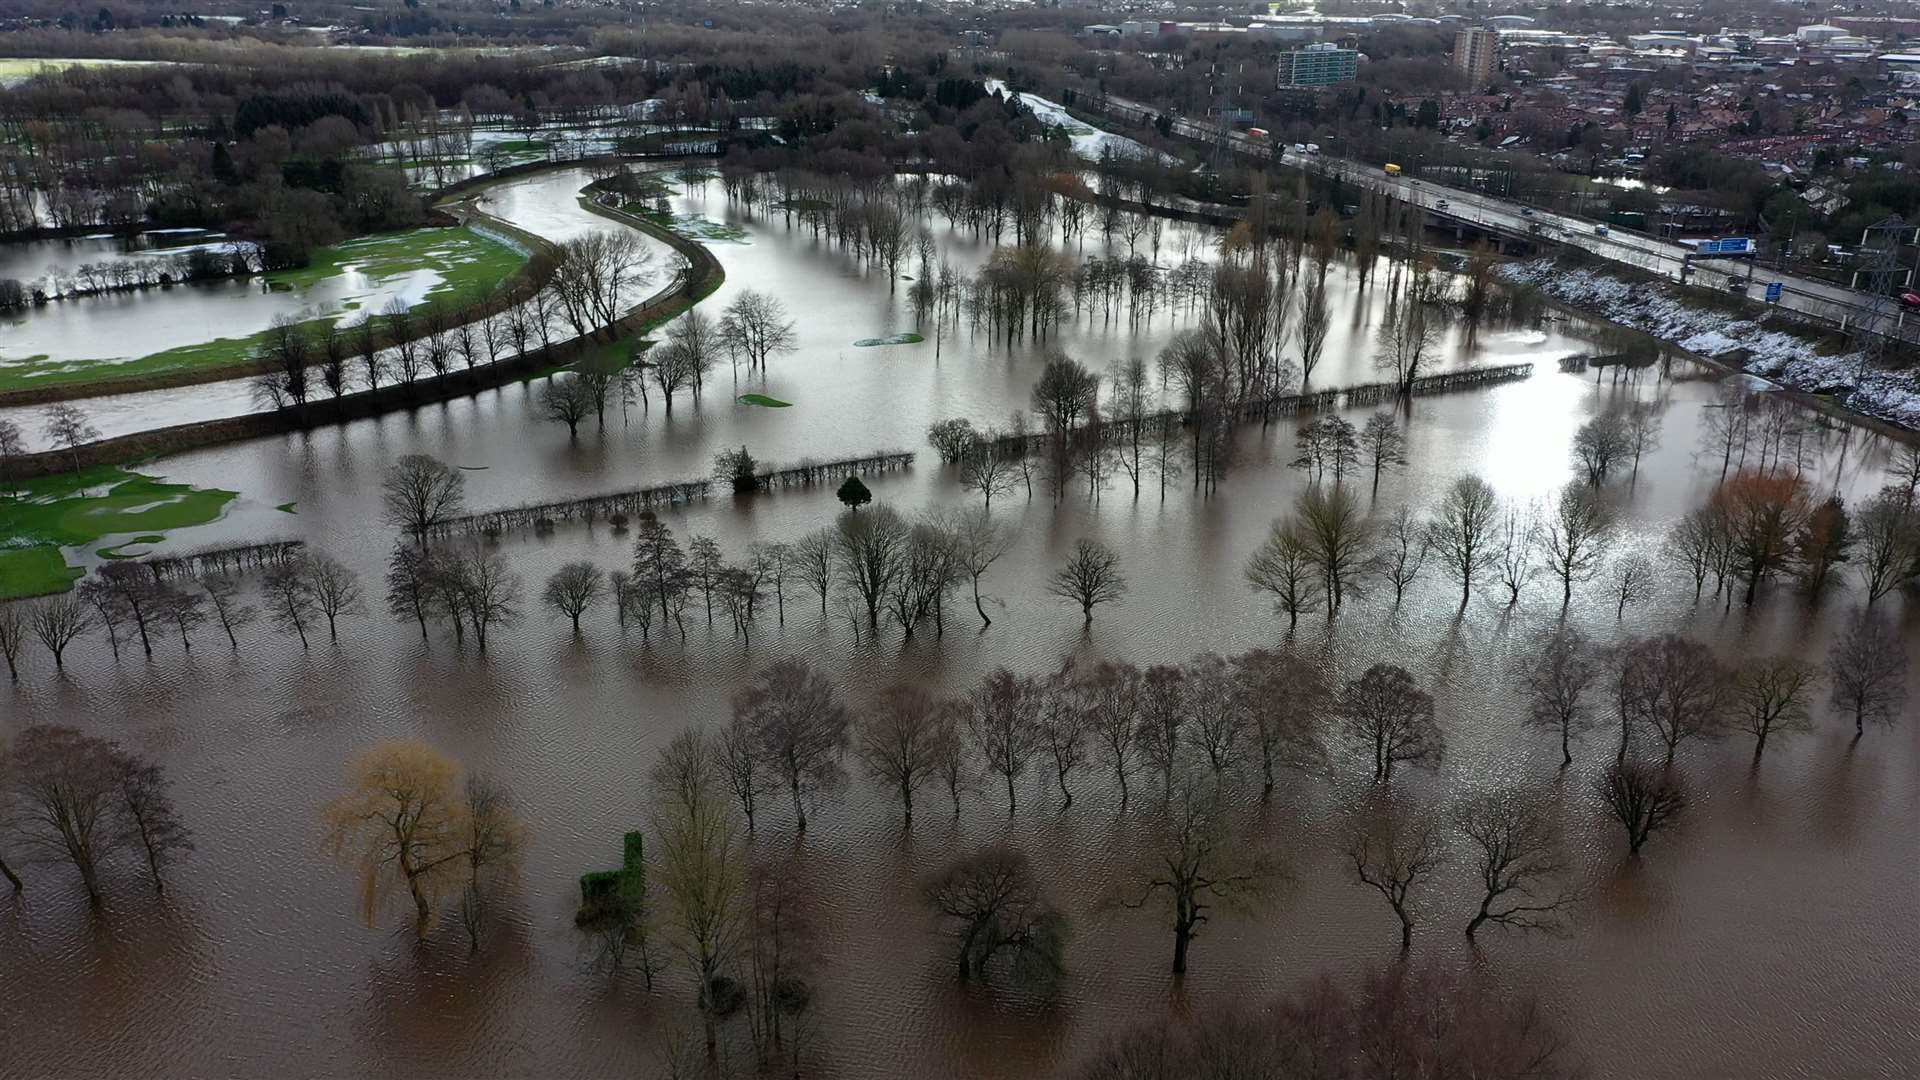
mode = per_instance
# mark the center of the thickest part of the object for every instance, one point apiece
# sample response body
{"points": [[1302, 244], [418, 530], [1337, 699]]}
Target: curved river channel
{"points": [[1771, 936]]}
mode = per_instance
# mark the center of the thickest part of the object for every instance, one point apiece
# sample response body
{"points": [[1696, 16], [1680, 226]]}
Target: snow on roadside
{"points": [[1785, 358]]}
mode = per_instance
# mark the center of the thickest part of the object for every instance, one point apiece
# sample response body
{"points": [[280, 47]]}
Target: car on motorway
{"points": [[1599, 230], [1441, 205], [1910, 299], [1526, 211]]}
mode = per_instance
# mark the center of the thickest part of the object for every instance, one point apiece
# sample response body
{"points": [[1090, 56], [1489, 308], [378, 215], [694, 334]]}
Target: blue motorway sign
{"points": [[1773, 292], [1736, 245]]}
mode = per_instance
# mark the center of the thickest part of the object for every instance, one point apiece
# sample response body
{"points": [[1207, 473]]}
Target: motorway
{"points": [[1820, 300]]}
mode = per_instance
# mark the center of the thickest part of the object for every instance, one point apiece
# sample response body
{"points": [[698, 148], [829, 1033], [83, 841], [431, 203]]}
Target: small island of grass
{"points": [[765, 401], [896, 339]]}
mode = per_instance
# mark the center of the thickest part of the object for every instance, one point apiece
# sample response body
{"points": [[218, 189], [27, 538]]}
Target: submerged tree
{"points": [[992, 905], [1393, 847], [1643, 798], [401, 824], [1868, 672], [1196, 866], [1514, 850], [1090, 577]]}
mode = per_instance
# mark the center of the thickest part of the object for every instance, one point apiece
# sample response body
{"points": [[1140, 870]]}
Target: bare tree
{"points": [[476, 585], [566, 399], [1559, 688], [420, 492], [68, 798], [899, 741], [572, 589], [14, 627], [1600, 444], [1516, 855], [1402, 552], [1383, 447], [130, 589], [869, 550], [1573, 536], [700, 864], [1634, 583], [1386, 712], [223, 595], [289, 598], [1287, 694], [1316, 319], [1111, 700], [1090, 577], [1061, 723], [992, 904], [800, 728], [1337, 537], [333, 587], [983, 468], [1463, 533], [1197, 865], [1642, 798], [755, 328], [1700, 544], [1517, 535], [976, 542], [1673, 686], [149, 821], [1889, 542], [68, 428], [1771, 694], [1408, 336], [492, 840], [1284, 566], [1393, 846], [1001, 727], [1220, 726], [1868, 669], [56, 621], [815, 555]]}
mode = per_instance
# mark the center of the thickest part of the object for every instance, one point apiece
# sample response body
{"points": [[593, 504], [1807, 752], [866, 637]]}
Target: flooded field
{"points": [[1769, 937]]}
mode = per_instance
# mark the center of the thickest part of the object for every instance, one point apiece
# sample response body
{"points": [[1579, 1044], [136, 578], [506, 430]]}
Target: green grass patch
{"points": [[34, 571], [897, 339], [764, 400], [79, 509], [286, 508], [119, 551], [468, 262]]}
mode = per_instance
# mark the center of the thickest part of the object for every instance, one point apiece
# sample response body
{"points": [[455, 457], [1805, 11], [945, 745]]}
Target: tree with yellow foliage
{"points": [[407, 821]]}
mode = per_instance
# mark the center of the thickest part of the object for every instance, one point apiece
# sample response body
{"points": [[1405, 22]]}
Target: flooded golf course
{"points": [[1769, 936]]}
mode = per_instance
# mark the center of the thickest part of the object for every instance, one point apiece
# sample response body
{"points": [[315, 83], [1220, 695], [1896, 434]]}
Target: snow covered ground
{"points": [[1782, 357], [1087, 141]]}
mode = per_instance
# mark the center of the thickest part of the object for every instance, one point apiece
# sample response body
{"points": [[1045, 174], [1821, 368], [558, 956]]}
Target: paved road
{"points": [[1819, 299]]}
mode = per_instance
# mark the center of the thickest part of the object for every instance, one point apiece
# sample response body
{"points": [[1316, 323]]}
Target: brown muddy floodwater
{"points": [[1772, 936]]}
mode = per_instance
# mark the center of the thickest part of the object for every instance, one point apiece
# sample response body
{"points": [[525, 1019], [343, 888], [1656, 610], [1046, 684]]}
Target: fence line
{"points": [[229, 559], [631, 502], [1017, 445]]}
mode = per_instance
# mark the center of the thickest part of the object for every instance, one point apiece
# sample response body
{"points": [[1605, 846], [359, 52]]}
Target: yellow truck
{"points": [[1392, 169]]}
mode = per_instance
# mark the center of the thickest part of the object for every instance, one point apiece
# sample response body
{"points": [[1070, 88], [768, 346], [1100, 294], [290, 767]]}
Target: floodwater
{"points": [[141, 322], [1771, 936]]}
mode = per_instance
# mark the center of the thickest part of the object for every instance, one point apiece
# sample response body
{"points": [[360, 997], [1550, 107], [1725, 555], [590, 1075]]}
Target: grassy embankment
{"points": [[467, 262], [74, 510]]}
